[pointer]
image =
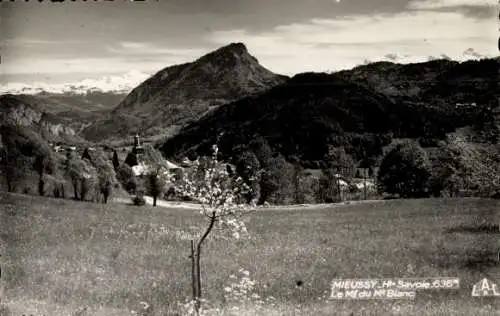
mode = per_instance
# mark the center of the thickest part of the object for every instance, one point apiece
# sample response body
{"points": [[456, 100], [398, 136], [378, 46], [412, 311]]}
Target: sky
{"points": [[121, 43]]}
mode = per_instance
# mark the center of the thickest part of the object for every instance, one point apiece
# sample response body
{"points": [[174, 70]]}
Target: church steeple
{"points": [[137, 150], [137, 141]]}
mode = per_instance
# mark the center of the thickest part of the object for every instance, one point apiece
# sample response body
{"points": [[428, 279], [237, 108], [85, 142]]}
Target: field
{"points": [[61, 257]]}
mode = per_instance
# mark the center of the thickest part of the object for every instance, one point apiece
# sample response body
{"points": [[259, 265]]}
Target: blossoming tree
{"points": [[222, 195]]}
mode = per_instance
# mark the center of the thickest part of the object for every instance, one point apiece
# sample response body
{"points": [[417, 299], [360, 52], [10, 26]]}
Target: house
{"points": [[186, 162], [143, 168], [171, 166], [368, 183], [140, 165], [140, 169]]}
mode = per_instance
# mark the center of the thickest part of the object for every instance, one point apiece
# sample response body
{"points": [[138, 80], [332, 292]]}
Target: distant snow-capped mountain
{"points": [[119, 84]]}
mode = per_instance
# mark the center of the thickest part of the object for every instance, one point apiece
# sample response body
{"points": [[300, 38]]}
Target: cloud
{"points": [[30, 56], [28, 42], [393, 57], [438, 4], [442, 56], [115, 62], [472, 53], [479, 9], [93, 65], [146, 49], [329, 41], [133, 45], [366, 30], [333, 44]]}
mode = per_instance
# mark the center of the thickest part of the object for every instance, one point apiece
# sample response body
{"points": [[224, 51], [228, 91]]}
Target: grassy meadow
{"points": [[62, 257]]}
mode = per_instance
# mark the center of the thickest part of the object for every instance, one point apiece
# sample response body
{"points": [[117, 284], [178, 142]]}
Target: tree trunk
{"points": [[9, 183], [264, 195], [365, 174], [41, 185], [83, 190], [193, 272], [338, 189], [197, 261], [154, 200], [297, 185], [75, 189]]}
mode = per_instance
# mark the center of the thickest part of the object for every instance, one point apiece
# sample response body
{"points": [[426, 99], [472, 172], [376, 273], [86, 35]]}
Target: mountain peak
{"points": [[238, 47], [232, 52]]}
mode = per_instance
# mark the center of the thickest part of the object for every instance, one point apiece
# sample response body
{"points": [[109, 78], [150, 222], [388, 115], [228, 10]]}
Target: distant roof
{"points": [[361, 185], [143, 169], [140, 169], [171, 165], [187, 162], [343, 183]]}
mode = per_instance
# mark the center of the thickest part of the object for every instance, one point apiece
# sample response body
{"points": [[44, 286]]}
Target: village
{"points": [[360, 187]]}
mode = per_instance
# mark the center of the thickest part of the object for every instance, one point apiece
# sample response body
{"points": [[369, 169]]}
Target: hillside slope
{"points": [[90, 102], [17, 110], [183, 93], [77, 111], [311, 111], [443, 80]]}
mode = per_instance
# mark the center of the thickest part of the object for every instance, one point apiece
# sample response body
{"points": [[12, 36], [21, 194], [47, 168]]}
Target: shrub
{"points": [[83, 177], [477, 165], [24, 151], [5, 311], [139, 200], [445, 179], [276, 181], [126, 177], [337, 159], [155, 184], [248, 168], [426, 142], [309, 187], [405, 171], [131, 160], [328, 191], [55, 186], [496, 195], [106, 189]]}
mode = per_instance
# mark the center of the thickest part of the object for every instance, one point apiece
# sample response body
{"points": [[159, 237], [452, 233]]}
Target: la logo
{"points": [[485, 288]]}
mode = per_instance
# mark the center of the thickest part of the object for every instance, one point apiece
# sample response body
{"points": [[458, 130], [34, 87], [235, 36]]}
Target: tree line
{"points": [[405, 169], [29, 165]]}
